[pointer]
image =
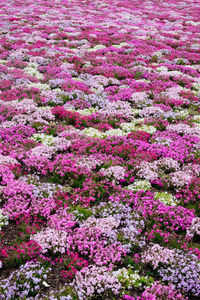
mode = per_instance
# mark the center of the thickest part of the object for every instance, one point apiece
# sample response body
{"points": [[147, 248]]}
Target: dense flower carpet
{"points": [[99, 149]]}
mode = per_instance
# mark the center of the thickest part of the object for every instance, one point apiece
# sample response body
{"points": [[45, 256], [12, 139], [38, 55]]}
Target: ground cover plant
{"points": [[99, 149]]}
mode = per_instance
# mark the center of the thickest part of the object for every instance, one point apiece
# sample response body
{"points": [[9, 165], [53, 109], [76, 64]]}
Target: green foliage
{"points": [[78, 182], [138, 75], [129, 262], [64, 98], [67, 291], [37, 126], [52, 131]]}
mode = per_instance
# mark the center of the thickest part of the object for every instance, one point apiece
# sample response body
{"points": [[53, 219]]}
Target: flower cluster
{"points": [[96, 280], [183, 272], [156, 255], [51, 240], [194, 228], [93, 242], [115, 172], [161, 291], [72, 262], [24, 282]]}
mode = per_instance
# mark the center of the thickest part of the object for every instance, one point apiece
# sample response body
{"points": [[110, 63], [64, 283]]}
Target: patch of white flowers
{"points": [[3, 62], [97, 47], [120, 45], [166, 198], [87, 111], [133, 126], [3, 219], [196, 85], [147, 128], [32, 70], [45, 139], [38, 85], [93, 132], [196, 119], [130, 278], [162, 69], [112, 132], [139, 185], [182, 114], [128, 127], [136, 111]]}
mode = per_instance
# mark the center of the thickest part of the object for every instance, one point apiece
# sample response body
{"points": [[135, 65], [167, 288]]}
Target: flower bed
{"points": [[99, 149]]}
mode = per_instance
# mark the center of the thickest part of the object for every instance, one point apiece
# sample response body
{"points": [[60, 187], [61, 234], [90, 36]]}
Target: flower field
{"points": [[99, 149]]}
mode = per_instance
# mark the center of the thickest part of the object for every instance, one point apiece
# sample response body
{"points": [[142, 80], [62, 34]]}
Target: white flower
{"points": [[45, 284]]}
